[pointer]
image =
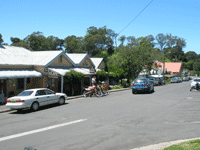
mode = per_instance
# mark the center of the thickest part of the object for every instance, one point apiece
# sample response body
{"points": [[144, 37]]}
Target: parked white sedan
{"points": [[34, 98]]}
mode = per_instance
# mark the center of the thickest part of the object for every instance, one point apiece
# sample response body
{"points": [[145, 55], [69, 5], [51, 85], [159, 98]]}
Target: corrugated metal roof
{"points": [[19, 73], [44, 57], [96, 61], [13, 55], [76, 57], [62, 71]]}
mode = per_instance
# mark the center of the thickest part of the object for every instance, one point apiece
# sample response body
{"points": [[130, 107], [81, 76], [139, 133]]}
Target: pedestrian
{"points": [[94, 81]]}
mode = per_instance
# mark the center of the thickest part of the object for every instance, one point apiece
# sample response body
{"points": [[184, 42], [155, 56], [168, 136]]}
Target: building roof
{"points": [[76, 57], [13, 55], [62, 71], [96, 61], [19, 73], [170, 66]]}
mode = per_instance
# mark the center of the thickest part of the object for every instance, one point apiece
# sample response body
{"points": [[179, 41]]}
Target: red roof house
{"points": [[173, 67]]}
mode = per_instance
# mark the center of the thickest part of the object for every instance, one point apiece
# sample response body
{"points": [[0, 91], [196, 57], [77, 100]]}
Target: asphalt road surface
{"points": [[119, 121]]}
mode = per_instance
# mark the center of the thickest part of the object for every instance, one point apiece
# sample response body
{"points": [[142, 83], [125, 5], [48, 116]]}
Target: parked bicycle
{"points": [[105, 88]]}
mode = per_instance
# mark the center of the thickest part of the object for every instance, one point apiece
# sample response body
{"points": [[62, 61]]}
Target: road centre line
{"points": [[40, 130]]}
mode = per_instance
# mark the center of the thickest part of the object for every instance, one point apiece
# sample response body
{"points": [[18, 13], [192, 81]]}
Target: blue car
{"points": [[142, 85]]}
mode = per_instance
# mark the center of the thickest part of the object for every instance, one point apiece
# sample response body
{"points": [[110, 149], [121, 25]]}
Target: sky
{"points": [[62, 18]]}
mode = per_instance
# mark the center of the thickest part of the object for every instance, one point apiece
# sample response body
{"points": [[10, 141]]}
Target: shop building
{"points": [[22, 69]]}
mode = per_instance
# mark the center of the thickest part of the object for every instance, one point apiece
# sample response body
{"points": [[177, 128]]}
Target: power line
{"points": [[136, 17]]}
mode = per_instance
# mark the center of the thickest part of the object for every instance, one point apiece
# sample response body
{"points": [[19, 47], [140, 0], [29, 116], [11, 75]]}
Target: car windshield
{"points": [[196, 80], [140, 81], [25, 93]]}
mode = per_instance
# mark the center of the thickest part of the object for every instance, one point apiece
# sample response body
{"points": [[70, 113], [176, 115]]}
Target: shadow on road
{"points": [[27, 111]]}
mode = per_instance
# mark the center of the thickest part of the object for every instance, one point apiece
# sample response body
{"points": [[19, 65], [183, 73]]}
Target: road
{"points": [[118, 121]]}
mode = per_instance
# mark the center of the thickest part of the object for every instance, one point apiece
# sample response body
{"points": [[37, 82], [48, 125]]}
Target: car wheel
{"points": [[35, 106], [133, 92], [61, 101], [152, 90], [19, 110]]}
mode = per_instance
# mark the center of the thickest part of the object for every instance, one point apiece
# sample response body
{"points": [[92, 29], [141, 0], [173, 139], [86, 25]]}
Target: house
{"points": [[172, 67], [22, 69]]}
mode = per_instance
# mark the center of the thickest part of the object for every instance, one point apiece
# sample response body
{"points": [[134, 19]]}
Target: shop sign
{"points": [[92, 70], [50, 73]]}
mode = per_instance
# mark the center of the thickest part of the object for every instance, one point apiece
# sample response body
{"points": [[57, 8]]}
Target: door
{"points": [[52, 97], [41, 97]]}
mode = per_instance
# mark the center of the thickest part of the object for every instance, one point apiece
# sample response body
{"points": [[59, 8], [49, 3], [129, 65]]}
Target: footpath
{"points": [[159, 146]]}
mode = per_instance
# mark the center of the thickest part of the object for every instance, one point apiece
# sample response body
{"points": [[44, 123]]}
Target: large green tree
{"points": [[97, 40], [130, 61], [37, 41]]}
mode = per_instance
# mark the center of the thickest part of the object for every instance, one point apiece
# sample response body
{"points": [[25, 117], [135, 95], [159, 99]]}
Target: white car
{"points": [[194, 82], [34, 98]]}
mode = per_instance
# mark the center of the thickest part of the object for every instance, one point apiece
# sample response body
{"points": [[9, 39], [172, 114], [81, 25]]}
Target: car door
{"points": [[41, 97], [52, 97]]}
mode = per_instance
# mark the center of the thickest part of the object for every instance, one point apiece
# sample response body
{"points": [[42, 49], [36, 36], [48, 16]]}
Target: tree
{"points": [[150, 39], [130, 61], [22, 43], [196, 65], [122, 39], [71, 44], [14, 40], [1, 39], [189, 56], [97, 40], [162, 41], [37, 41]]}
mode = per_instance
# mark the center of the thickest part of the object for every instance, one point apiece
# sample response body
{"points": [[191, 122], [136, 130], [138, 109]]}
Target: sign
{"points": [[92, 70], [50, 73]]}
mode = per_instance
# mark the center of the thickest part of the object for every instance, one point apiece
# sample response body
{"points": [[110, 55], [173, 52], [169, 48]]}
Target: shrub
{"points": [[101, 75], [74, 76]]}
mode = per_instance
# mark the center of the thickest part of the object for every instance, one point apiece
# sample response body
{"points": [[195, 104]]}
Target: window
{"points": [[25, 93], [28, 80], [48, 92], [40, 93], [11, 82], [53, 82], [20, 83], [60, 58]]}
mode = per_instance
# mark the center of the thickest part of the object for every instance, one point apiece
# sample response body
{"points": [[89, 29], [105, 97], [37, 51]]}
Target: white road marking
{"points": [[40, 130]]}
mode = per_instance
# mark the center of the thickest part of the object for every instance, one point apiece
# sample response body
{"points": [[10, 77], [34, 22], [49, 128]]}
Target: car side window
{"points": [[40, 93], [48, 92]]}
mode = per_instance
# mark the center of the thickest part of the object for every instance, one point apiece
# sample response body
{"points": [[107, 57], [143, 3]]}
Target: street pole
{"points": [[163, 63]]}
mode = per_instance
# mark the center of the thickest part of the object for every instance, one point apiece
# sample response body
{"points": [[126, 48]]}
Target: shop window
{"points": [[20, 83], [11, 82], [28, 80], [53, 82]]}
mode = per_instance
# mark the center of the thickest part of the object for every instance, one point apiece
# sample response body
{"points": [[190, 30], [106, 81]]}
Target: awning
{"points": [[19, 73], [62, 71]]}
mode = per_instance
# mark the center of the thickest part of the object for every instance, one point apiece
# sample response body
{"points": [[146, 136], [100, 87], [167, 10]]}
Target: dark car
{"points": [[161, 81], [185, 79], [155, 82], [142, 85]]}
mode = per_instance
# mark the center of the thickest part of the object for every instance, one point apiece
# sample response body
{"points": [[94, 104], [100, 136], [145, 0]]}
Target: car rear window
{"points": [[140, 81], [25, 93]]}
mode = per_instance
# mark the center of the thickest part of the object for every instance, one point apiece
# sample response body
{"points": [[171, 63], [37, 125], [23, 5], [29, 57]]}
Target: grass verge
{"points": [[190, 145]]}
